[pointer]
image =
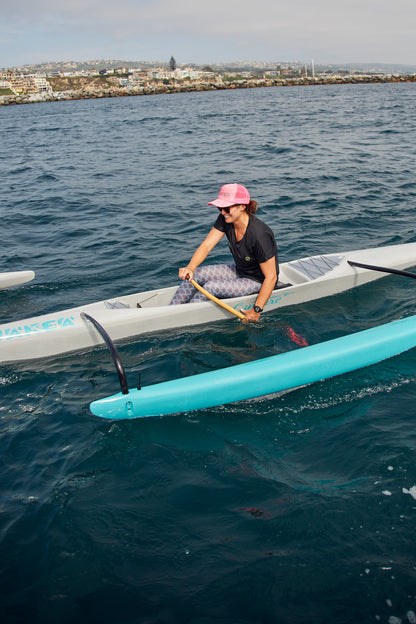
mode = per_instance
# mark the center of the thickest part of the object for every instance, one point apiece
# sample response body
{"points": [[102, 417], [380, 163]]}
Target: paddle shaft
{"points": [[217, 301], [372, 267]]}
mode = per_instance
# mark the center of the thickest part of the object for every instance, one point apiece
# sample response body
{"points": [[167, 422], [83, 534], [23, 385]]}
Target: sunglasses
{"points": [[226, 209]]}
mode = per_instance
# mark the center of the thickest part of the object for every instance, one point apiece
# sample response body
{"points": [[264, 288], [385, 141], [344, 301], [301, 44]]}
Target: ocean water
{"points": [[294, 508]]}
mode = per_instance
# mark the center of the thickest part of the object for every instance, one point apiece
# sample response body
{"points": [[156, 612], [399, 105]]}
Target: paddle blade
{"points": [[296, 338]]}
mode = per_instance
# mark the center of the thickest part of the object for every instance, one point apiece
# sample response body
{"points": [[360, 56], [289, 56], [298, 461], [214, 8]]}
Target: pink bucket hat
{"points": [[231, 194]]}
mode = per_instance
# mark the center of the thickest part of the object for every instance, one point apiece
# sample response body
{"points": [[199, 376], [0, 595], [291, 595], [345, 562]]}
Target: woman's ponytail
{"points": [[251, 208]]}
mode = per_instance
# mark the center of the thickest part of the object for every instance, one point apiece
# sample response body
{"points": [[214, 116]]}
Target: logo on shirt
{"points": [[247, 258]]}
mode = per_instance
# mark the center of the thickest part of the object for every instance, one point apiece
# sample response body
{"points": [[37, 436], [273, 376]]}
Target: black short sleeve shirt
{"points": [[257, 245]]}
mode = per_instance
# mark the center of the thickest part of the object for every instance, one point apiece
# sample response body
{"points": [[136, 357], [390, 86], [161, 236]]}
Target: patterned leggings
{"points": [[221, 280]]}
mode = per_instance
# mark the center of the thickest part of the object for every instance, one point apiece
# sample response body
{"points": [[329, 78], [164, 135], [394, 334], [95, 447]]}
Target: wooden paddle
{"points": [[289, 331], [218, 301], [372, 267]]}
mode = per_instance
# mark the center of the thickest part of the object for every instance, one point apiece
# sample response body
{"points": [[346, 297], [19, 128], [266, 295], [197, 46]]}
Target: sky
{"points": [[208, 31]]}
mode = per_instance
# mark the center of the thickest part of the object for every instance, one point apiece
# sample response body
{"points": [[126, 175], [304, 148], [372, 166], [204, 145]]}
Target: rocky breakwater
{"points": [[94, 90]]}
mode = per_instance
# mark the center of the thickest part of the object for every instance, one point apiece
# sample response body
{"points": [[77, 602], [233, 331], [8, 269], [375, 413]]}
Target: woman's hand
{"points": [[186, 273], [251, 316]]}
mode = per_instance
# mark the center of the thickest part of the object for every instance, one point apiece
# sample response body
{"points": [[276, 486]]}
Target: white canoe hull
{"points": [[311, 278], [14, 278]]}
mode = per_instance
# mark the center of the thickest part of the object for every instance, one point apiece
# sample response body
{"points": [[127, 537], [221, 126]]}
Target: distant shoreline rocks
{"points": [[157, 89]]}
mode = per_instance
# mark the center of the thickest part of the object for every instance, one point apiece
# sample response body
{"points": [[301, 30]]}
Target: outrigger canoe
{"points": [[262, 377], [14, 278], [128, 316]]}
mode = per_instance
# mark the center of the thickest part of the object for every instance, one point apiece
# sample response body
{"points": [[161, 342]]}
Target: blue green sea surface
{"points": [[298, 508]]}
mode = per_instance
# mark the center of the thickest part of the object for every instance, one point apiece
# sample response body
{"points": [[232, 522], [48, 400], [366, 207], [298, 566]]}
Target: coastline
{"points": [[212, 85]]}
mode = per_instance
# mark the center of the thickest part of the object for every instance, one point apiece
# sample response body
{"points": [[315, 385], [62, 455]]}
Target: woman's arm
{"points": [[270, 278], [201, 253]]}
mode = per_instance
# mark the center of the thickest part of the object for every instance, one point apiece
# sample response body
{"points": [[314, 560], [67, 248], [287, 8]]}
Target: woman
{"points": [[254, 249]]}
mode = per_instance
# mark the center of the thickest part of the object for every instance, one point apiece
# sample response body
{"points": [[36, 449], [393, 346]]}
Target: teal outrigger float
{"points": [[260, 378]]}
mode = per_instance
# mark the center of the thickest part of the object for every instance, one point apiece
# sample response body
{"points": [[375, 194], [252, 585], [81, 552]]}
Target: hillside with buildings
{"points": [[113, 78]]}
